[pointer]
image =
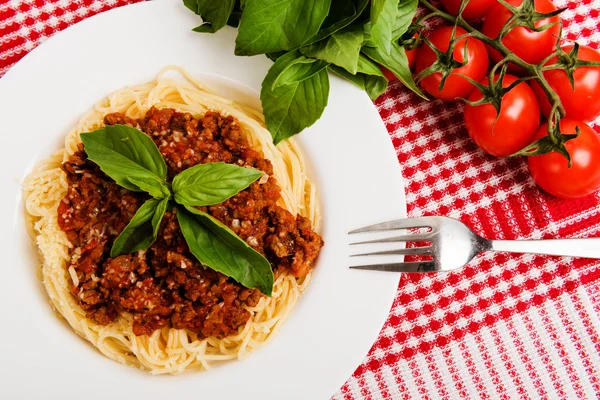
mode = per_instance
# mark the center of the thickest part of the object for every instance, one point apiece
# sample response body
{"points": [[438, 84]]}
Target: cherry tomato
{"points": [[551, 171], [582, 103], [475, 10], [513, 130], [455, 86], [532, 47], [412, 56]]}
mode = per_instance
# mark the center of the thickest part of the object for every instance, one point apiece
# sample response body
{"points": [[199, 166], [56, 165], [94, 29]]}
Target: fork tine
{"points": [[419, 237], [415, 266], [408, 251], [404, 223]]}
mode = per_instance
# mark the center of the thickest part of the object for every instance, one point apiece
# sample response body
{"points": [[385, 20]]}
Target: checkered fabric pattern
{"points": [[505, 327]]}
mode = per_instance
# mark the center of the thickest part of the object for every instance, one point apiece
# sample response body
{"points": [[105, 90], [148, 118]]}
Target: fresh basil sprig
{"points": [[306, 38], [131, 158]]}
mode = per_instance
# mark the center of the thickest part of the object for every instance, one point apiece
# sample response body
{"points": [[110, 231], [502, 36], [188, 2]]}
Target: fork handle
{"points": [[587, 248]]}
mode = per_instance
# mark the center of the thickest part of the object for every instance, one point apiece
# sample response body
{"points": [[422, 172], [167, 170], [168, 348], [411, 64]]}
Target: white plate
{"points": [[351, 157]]}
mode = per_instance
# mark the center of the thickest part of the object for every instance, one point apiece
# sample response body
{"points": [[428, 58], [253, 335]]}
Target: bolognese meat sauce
{"points": [[165, 285]]}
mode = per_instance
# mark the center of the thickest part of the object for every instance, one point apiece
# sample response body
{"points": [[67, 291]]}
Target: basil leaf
{"points": [[299, 69], [150, 186], [341, 14], [369, 77], [215, 14], [236, 14], [268, 26], [142, 230], [192, 5], [129, 157], [407, 9], [397, 62], [208, 184], [291, 108], [204, 28], [406, 12], [383, 16], [217, 247], [234, 18], [274, 56], [341, 48]]}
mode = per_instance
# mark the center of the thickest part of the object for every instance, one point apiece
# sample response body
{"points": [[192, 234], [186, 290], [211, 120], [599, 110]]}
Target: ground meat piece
{"points": [[89, 298], [293, 241], [146, 295], [145, 324], [308, 246], [121, 119], [188, 316], [103, 315], [165, 285], [180, 260], [119, 272], [250, 296], [195, 289], [89, 256], [220, 320], [158, 121]]}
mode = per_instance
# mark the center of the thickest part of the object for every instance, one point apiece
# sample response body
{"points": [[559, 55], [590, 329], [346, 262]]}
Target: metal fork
{"points": [[454, 245]]}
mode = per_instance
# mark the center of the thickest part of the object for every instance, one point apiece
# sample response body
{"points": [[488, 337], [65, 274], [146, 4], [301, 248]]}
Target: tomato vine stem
{"points": [[535, 71]]}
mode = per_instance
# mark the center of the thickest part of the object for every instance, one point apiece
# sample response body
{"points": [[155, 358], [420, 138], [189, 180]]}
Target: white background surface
{"points": [[351, 158]]}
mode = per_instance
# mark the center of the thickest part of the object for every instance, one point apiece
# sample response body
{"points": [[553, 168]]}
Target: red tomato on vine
{"points": [[475, 10], [455, 85], [551, 171], [533, 47], [582, 102], [512, 130]]}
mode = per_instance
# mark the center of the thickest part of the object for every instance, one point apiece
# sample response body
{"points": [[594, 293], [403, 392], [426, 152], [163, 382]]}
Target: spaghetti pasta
{"points": [[167, 350]]}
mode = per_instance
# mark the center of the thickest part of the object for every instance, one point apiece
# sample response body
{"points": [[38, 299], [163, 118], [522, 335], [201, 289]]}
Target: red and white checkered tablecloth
{"points": [[506, 326]]}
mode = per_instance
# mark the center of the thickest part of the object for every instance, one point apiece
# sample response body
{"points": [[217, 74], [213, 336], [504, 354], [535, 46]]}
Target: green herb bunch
{"points": [[132, 159], [307, 38]]}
